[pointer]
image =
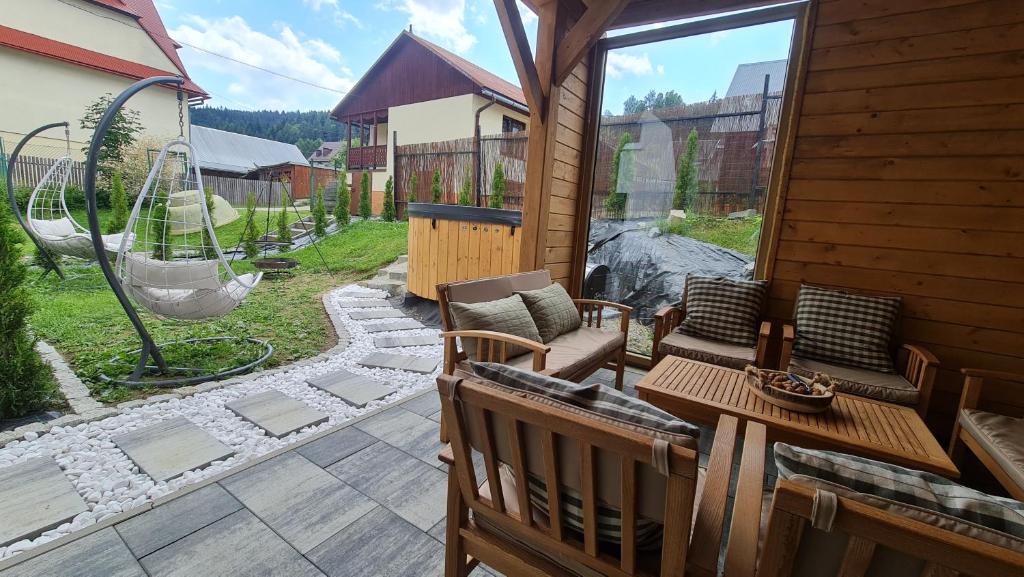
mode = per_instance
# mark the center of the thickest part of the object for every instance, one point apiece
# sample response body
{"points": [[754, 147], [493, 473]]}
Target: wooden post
{"points": [[348, 146], [373, 150]]}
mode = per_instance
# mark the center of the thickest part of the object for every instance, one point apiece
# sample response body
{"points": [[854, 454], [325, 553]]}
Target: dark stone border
{"points": [[465, 213]]}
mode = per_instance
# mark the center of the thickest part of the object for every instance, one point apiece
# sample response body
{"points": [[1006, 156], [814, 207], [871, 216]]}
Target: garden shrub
{"points": [[414, 182], [118, 204], [389, 213], [435, 187], [365, 206], [284, 229], [497, 199], [686, 176], [319, 213], [342, 206], [615, 203], [161, 250], [251, 234], [209, 252], [466, 192], [25, 382]]}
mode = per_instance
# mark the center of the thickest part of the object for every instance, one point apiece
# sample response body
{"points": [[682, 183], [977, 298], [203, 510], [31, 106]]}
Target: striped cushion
{"points": [[898, 484], [723, 309], [846, 329]]}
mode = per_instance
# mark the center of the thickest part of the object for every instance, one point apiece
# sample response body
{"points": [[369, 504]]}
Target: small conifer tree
{"points": [[284, 229], [435, 187], [319, 213], [343, 206], [615, 203], [158, 220], [686, 176], [209, 252], [466, 192], [389, 213], [414, 182], [365, 207], [497, 199], [118, 204], [251, 236]]}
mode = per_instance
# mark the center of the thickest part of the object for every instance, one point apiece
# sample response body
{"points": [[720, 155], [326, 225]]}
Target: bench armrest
{"points": [[745, 525], [788, 336], [920, 371], [494, 344], [709, 522], [763, 335], [665, 321], [993, 375], [970, 396], [587, 307]]}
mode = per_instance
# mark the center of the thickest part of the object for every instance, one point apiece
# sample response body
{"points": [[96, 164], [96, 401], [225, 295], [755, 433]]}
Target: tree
{"points": [[118, 204], [497, 199], [308, 145], [284, 228], [389, 213], [319, 213], [414, 182], [686, 176], [121, 135], [24, 382], [251, 234], [632, 106], [365, 206], [158, 220], [435, 187], [615, 203], [343, 204], [209, 252], [652, 101], [466, 192]]}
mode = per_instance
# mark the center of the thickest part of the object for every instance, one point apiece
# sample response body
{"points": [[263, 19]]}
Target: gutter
{"points": [[494, 96], [477, 184]]}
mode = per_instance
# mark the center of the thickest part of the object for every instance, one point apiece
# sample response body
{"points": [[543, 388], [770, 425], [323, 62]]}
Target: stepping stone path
{"points": [[394, 325], [276, 413], [170, 448], [364, 303], [400, 362], [358, 315], [35, 496], [355, 390], [413, 341]]}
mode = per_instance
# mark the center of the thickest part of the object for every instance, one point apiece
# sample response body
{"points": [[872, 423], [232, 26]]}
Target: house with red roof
{"points": [[418, 92], [59, 56]]}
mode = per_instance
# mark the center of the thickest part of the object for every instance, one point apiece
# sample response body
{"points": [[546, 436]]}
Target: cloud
{"points": [[311, 60], [316, 5], [661, 70], [341, 16], [440, 20], [526, 14], [620, 64], [715, 38]]}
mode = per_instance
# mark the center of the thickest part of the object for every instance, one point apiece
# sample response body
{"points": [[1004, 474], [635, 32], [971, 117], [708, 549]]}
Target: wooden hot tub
{"points": [[449, 243]]}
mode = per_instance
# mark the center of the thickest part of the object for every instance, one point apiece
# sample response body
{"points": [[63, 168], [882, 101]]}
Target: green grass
{"points": [[82, 319], [741, 235]]}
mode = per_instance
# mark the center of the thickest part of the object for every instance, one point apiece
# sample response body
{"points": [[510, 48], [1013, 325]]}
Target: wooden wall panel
{"points": [[908, 177]]}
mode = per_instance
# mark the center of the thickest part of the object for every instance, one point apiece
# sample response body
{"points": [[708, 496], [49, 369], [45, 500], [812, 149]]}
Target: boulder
{"points": [[676, 216]]}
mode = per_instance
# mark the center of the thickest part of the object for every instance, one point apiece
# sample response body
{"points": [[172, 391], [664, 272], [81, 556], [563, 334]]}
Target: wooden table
{"points": [[701, 392]]}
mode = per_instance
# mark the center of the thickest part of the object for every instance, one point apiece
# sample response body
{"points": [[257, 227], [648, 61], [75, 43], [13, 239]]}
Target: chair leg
{"points": [[444, 432], [454, 557], [620, 369]]}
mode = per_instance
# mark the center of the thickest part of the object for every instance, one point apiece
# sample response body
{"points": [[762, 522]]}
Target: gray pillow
{"points": [[508, 315], [552, 310]]}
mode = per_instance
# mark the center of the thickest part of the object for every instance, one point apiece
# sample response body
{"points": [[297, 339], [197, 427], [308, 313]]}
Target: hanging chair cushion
{"points": [[54, 229], [142, 271], [197, 304]]}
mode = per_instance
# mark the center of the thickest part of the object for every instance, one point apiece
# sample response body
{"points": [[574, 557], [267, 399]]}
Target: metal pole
{"points": [[149, 347], [14, 200], [752, 202]]}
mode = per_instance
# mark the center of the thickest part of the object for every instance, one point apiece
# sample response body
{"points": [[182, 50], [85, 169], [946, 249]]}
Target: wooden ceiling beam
{"points": [[519, 46], [584, 34]]}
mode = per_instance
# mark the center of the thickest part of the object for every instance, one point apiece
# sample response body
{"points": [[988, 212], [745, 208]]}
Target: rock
{"points": [[31, 436], [676, 216], [742, 214]]}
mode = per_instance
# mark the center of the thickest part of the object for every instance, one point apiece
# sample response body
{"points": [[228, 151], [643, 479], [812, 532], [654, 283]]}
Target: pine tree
{"points": [[615, 203], [284, 229], [343, 205], [209, 252], [389, 212], [24, 383], [118, 204], [466, 192], [251, 236], [435, 187], [319, 213], [158, 220], [497, 199], [414, 182], [365, 207], [686, 176]]}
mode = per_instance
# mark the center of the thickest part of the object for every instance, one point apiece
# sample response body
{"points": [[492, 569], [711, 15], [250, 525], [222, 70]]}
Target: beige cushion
{"points": [[707, 351], [572, 354], [506, 315], [1002, 438], [499, 287], [891, 388], [552, 310], [143, 271]]}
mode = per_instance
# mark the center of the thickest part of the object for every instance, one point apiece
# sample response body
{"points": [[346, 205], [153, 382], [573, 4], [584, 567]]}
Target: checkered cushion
{"points": [[906, 486], [723, 309], [845, 329], [552, 310]]}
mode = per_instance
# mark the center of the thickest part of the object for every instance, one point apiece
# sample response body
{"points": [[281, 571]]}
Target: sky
{"points": [[326, 46]]}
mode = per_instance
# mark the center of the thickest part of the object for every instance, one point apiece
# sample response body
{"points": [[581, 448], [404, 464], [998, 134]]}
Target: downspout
{"points": [[476, 145]]}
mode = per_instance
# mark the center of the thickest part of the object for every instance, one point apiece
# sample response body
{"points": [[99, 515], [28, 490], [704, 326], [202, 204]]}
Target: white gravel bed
{"points": [[111, 483]]}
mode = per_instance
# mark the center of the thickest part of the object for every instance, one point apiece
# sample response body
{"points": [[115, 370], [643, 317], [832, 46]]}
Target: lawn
{"points": [[83, 320], [741, 235]]}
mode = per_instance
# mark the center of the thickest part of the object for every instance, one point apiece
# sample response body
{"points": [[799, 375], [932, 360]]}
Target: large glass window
{"points": [[686, 141]]}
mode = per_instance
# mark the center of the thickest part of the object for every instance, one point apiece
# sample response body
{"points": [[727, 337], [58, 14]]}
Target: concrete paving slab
{"points": [[356, 390], [393, 325], [361, 315], [35, 496], [169, 448], [276, 413], [364, 304], [101, 554], [334, 447], [409, 341], [177, 518], [400, 362]]}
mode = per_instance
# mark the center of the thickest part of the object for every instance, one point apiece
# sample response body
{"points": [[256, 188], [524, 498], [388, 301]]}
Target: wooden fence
{"points": [[236, 190], [29, 170]]}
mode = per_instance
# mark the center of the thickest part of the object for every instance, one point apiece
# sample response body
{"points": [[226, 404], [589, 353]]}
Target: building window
{"points": [[509, 124]]}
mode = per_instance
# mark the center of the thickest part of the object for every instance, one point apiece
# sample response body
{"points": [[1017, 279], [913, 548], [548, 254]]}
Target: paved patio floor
{"points": [[368, 499]]}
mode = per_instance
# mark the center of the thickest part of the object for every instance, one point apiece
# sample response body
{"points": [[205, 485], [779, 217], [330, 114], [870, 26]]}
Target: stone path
{"points": [[276, 413], [355, 390], [36, 497], [166, 450]]}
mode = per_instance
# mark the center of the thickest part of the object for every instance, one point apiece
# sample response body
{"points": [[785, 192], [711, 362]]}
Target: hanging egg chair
{"points": [[173, 266]]}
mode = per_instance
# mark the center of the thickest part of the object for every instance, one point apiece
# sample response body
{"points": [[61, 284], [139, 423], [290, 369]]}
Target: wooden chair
{"points": [[601, 462], [573, 356], [863, 540], [978, 431]]}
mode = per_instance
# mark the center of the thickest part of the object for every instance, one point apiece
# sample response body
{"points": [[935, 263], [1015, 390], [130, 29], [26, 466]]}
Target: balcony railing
{"points": [[368, 157]]}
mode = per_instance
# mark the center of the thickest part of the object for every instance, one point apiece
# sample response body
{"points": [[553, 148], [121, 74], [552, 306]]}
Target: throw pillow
{"points": [[837, 327], [508, 315], [723, 309], [552, 310]]}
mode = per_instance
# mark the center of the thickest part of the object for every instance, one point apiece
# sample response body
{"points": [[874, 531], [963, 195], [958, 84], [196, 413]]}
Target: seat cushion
{"points": [[918, 494], [723, 309], [574, 353], [552, 310], [887, 387], [1002, 438], [853, 330], [707, 351], [508, 315]]}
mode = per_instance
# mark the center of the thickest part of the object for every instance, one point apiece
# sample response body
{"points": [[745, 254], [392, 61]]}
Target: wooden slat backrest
{"points": [[633, 450], [869, 530]]}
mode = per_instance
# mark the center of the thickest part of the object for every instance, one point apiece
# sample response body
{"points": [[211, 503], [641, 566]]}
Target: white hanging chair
{"points": [[175, 267], [50, 221]]}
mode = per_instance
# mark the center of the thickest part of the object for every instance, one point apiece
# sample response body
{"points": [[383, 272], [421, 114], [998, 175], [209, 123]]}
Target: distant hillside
{"points": [[303, 129]]}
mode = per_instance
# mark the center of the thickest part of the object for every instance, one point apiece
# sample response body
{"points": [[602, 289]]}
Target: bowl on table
{"points": [[791, 391]]}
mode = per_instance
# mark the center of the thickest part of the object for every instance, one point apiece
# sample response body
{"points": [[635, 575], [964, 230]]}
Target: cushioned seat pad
{"points": [[707, 351], [573, 352], [1002, 437], [887, 387]]}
